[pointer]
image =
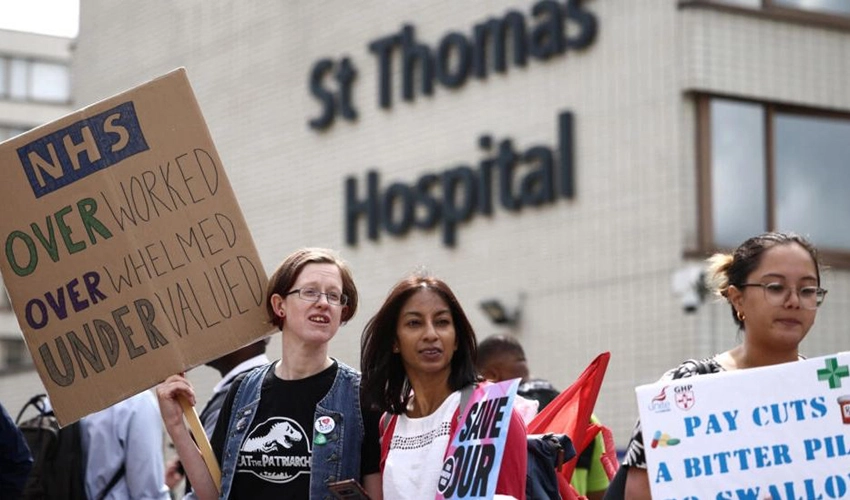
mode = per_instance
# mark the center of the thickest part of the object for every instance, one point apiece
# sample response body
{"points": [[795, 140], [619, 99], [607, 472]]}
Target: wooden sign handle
{"points": [[200, 436]]}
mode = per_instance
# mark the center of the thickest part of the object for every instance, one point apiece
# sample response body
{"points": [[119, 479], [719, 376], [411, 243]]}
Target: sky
{"points": [[50, 17]]}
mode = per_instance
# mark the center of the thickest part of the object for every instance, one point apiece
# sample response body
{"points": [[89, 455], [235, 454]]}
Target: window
{"points": [[755, 4], [9, 132], [5, 303], [14, 355], [18, 78], [4, 76], [770, 167], [840, 7], [812, 174], [50, 82], [39, 81], [833, 13], [737, 152]]}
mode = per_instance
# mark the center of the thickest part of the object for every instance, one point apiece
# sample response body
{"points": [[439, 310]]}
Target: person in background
{"points": [[123, 449], [229, 366], [501, 357], [417, 353], [297, 424], [15, 458], [772, 283]]}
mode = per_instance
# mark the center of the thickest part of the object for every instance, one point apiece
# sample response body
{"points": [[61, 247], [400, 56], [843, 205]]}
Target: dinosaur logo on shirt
{"points": [[281, 434], [277, 450]]}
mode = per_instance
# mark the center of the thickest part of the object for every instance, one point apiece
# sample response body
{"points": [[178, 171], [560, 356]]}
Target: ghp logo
{"points": [[659, 403], [685, 398]]}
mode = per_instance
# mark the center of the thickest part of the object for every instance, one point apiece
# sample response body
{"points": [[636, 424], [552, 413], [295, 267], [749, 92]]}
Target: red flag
{"points": [[569, 413]]}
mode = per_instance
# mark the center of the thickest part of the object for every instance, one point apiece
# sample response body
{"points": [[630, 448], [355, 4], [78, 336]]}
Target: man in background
{"points": [[501, 357], [123, 449], [230, 366]]}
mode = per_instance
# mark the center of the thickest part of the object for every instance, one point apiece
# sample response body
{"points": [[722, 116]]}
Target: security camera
{"points": [[690, 301], [688, 284]]}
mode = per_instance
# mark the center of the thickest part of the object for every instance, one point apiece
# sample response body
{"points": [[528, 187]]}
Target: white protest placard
{"points": [[780, 432], [126, 255]]}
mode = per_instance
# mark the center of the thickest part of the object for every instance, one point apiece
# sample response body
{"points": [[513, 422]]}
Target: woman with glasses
{"points": [[417, 354], [289, 428], [772, 283]]}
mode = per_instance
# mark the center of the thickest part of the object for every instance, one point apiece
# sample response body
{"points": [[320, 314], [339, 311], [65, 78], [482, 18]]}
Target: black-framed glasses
{"points": [[313, 295], [776, 294]]}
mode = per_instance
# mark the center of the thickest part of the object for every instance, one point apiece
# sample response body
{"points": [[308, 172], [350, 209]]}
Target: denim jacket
{"points": [[336, 460]]}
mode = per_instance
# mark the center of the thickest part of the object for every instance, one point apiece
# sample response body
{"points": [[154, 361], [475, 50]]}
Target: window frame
{"points": [[5, 76], [10, 364], [705, 237], [27, 76], [771, 5], [11, 130], [31, 69], [28, 62], [769, 10]]}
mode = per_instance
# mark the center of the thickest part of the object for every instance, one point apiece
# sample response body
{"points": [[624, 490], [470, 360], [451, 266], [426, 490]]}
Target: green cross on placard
{"points": [[833, 373]]}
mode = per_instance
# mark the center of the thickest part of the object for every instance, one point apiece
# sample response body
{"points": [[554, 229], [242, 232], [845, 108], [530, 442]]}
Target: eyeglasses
{"points": [[313, 295], [776, 294]]}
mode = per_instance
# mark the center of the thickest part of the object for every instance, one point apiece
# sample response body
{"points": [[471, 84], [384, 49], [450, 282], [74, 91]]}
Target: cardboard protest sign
{"points": [[126, 255], [474, 456], [780, 432]]}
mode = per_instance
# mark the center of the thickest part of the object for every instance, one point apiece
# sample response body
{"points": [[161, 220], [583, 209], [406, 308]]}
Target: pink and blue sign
{"points": [[474, 456]]}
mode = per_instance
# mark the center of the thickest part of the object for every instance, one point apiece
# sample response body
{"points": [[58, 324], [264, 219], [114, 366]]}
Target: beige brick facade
{"points": [[595, 270]]}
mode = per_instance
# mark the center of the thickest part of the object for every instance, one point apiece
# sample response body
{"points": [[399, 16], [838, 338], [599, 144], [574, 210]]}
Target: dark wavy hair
{"points": [[287, 274], [727, 270], [385, 385]]}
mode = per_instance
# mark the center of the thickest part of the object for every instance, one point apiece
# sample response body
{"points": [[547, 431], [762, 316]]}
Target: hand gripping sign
{"points": [[474, 456]]}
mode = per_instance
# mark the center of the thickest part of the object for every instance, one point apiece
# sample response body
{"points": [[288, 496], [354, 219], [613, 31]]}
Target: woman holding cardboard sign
{"points": [[772, 283], [292, 427], [418, 354]]}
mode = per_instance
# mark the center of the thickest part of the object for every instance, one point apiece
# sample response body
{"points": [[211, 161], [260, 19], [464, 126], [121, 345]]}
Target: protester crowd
{"points": [[309, 426]]}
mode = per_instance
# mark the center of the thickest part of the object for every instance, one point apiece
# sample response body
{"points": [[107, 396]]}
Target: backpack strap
{"points": [[692, 367], [382, 424], [386, 424], [610, 464], [609, 453], [586, 455], [387, 428], [112, 482], [608, 457], [465, 396], [38, 402]]}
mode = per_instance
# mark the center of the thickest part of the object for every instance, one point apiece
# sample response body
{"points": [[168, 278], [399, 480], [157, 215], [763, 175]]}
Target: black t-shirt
{"points": [[274, 459]]}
